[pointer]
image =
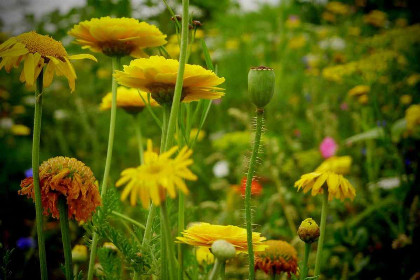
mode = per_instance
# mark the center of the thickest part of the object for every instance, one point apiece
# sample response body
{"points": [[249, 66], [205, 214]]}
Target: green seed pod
{"points": [[308, 231], [261, 82], [223, 250]]}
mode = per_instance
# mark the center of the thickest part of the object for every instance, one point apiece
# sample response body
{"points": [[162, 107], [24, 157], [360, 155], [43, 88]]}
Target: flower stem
{"points": [[128, 219], [181, 225], [65, 237], [115, 66], [217, 267], [168, 241], [250, 175], [322, 233], [305, 267], [137, 129], [35, 171]]}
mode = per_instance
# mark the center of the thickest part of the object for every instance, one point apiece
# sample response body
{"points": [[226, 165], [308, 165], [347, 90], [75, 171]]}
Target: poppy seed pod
{"points": [[261, 81], [223, 250]]}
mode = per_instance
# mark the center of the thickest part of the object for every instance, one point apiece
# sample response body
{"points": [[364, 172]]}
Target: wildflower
{"points": [[20, 130], [336, 185], [277, 258], [363, 99], [157, 75], [406, 99], [36, 51], [28, 173], [25, 243], [328, 147], [232, 44], [293, 21], [308, 231], [221, 169], [329, 17], [117, 36], [359, 90], [129, 99], [338, 8], [412, 117], [159, 174], [204, 256], [376, 18], [297, 42], [339, 165], [413, 79], [68, 177], [256, 187], [79, 253], [204, 235]]}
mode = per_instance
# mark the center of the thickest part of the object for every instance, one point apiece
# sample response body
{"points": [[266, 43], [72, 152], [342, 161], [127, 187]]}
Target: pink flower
{"points": [[328, 147]]}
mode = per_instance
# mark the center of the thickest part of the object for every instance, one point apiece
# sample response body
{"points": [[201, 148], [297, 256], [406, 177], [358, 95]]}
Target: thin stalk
{"points": [[115, 66], [322, 233], [128, 219], [250, 175], [215, 272], [222, 271], [35, 171], [139, 138], [181, 226], [305, 267], [65, 237], [168, 240]]}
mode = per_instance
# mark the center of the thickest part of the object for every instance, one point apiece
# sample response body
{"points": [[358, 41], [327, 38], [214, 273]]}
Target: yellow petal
{"points": [[29, 69], [83, 56]]}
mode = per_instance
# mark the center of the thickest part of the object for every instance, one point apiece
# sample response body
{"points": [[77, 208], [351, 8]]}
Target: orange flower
{"points": [[256, 187], [278, 257], [68, 177]]}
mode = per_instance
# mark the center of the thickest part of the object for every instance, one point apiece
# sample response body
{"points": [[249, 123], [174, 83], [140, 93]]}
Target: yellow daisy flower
{"points": [[117, 36], [359, 90], [204, 256], [37, 51], [336, 185], [204, 234], [412, 117], [128, 99], [157, 75], [156, 176], [20, 130], [340, 165]]}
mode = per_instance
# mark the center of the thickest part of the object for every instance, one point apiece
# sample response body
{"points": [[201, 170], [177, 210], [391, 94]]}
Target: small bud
{"points": [[177, 17], [190, 27], [223, 250], [197, 23], [79, 253], [308, 231], [261, 81]]}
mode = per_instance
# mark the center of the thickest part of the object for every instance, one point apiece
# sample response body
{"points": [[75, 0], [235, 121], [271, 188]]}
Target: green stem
{"points": [[305, 267], [168, 241], [95, 238], [180, 77], [65, 237], [250, 175], [214, 274], [35, 171], [149, 226], [128, 219], [222, 270], [322, 233], [137, 129], [181, 226]]}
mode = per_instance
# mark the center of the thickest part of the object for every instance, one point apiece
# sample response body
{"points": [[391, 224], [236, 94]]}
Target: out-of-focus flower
{"points": [[4, 94], [354, 31], [401, 241], [376, 18], [20, 130], [221, 169], [256, 187], [363, 99], [279, 257], [344, 106], [412, 117], [129, 99], [28, 173], [328, 147], [232, 44], [68, 178], [334, 43], [103, 73], [79, 253], [413, 79], [157, 75], [329, 17], [297, 42], [117, 36], [339, 165], [6, 123], [336, 185], [338, 8], [204, 256], [401, 22], [26, 243], [205, 234], [406, 99], [110, 246], [359, 90], [157, 176], [308, 231], [37, 51], [18, 110], [293, 21]]}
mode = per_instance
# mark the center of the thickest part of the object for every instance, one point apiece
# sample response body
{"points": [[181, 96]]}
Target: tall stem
{"points": [[65, 237], [250, 175], [322, 233], [35, 171], [305, 267], [168, 240], [137, 129], [214, 274], [115, 66], [181, 226]]}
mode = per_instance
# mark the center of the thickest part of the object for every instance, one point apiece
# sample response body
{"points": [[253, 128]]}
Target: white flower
{"points": [[221, 169]]}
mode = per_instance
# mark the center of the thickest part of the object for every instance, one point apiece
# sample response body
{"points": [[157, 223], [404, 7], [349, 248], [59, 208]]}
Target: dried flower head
{"points": [[70, 178], [278, 257]]}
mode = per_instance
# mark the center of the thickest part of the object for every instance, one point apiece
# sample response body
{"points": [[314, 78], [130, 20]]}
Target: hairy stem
{"points": [[65, 237], [322, 233]]}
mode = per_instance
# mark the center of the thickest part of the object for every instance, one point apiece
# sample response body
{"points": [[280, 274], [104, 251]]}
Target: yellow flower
{"points": [[232, 44], [338, 8], [363, 99], [308, 231], [375, 18], [157, 75], [204, 234], [413, 79], [359, 90], [297, 42], [412, 116], [204, 256], [117, 36], [37, 51], [20, 130], [354, 31], [278, 257], [327, 16], [406, 99], [156, 176], [79, 253], [336, 185], [340, 165], [128, 99]]}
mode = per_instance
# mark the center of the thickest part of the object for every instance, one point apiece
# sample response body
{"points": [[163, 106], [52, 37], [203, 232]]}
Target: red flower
{"points": [[256, 188]]}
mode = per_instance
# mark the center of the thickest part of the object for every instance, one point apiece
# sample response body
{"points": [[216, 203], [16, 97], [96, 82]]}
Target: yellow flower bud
{"points": [[308, 231]]}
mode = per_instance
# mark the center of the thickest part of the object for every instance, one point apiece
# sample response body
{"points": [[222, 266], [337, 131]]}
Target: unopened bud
{"points": [[308, 231], [223, 250], [176, 18], [261, 82], [197, 23], [79, 253]]}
